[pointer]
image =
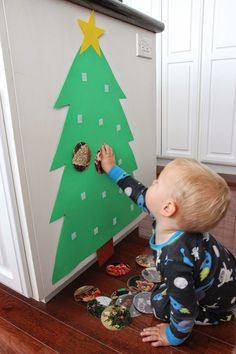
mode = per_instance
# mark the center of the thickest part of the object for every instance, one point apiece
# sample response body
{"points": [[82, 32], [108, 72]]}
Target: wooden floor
{"points": [[63, 326]]}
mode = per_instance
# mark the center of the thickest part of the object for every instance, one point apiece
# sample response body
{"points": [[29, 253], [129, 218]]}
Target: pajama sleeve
{"points": [[181, 291], [134, 189]]}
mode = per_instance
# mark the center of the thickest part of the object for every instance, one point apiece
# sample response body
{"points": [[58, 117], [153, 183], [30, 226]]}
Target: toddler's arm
{"points": [[132, 188], [179, 275]]}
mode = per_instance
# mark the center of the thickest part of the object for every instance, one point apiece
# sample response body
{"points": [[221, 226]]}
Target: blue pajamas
{"points": [[198, 274]]}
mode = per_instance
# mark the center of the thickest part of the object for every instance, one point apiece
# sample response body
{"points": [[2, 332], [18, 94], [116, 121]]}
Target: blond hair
{"points": [[201, 195]]}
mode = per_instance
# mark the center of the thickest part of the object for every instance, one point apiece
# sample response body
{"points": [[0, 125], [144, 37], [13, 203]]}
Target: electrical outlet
{"points": [[143, 46]]}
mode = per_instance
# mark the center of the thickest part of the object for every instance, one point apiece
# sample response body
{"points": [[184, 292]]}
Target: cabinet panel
{"points": [[224, 25], [221, 138], [180, 77], [218, 127], [218, 84], [179, 29], [177, 125]]}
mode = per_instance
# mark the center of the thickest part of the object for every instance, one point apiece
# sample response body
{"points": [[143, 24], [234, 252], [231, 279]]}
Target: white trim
{"points": [[157, 14], [18, 249]]}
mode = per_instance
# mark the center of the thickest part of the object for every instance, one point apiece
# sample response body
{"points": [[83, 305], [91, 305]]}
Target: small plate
{"points": [[142, 302], [86, 293], [145, 260], [117, 269], [119, 292], [138, 283], [127, 301], [151, 274], [133, 311], [115, 317], [96, 306]]}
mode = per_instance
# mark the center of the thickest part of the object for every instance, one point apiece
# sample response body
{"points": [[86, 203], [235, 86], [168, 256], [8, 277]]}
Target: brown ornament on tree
{"points": [[81, 156], [97, 162]]}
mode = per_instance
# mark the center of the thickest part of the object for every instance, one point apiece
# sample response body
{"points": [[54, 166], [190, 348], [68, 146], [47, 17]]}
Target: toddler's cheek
{"points": [[149, 198]]}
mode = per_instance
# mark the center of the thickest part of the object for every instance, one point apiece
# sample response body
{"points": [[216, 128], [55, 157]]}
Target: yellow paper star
{"points": [[91, 34]]}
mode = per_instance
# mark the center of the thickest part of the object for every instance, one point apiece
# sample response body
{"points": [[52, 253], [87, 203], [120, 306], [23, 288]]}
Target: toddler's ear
{"points": [[169, 208]]}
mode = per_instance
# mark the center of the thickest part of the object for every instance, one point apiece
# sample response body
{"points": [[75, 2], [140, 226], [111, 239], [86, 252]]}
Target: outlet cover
{"points": [[143, 46]]}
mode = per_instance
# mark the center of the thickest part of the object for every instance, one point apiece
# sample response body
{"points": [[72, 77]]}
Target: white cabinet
{"points": [[39, 40], [218, 83], [199, 81], [180, 77]]}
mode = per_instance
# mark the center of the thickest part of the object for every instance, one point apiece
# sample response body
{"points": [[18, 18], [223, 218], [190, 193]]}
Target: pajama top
{"points": [[195, 268]]}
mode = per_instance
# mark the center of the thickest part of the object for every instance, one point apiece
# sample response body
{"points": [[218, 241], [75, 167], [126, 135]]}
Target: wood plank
{"points": [[138, 323], [222, 336], [64, 308], [14, 341], [225, 332], [47, 329], [87, 322], [199, 343], [125, 341]]}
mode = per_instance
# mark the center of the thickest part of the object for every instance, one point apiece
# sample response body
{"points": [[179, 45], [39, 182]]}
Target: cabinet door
{"points": [[218, 90], [180, 76], [13, 264], [13, 271]]}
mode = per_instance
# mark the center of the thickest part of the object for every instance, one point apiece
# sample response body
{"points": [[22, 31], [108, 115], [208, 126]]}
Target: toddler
{"points": [[198, 274]]}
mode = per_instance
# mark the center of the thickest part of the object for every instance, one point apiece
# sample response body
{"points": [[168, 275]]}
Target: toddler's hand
{"points": [[107, 158], [156, 335]]}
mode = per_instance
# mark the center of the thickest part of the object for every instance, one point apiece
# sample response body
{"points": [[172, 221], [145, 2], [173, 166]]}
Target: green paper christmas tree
{"points": [[93, 207]]}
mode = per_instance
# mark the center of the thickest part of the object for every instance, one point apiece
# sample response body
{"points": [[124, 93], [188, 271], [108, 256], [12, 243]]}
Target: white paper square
{"points": [[119, 162], [104, 194], [80, 119], [83, 195], [95, 231], [114, 221], [100, 121], [84, 77], [73, 236], [106, 88], [118, 127]]}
